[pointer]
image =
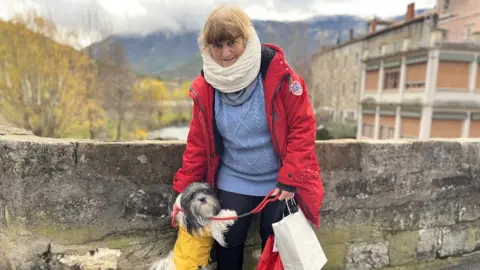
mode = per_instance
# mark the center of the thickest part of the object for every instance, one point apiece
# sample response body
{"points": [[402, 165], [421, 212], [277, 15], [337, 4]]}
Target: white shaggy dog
{"points": [[198, 210]]}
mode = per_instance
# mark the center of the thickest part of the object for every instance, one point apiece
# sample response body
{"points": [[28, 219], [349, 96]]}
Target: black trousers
{"points": [[231, 257]]}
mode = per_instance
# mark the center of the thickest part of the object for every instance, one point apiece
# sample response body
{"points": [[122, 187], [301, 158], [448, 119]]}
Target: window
{"points": [[392, 79], [469, 31], [446, 5], [386, 132], [343, 89], [351, 115], [357, 58], [391, 133], [367, 130], [345, 60], [354, 88], [395, 46], [414, 85]]}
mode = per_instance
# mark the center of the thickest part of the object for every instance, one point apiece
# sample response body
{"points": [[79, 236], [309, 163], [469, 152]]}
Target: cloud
{"points": [[145, 16]]}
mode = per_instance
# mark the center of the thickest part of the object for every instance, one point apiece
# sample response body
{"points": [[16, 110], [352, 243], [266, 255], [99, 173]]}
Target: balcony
{"points": [[456, 99]]}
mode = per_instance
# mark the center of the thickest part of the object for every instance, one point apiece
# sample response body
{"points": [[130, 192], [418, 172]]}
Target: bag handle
{"points": [[293, 203]]}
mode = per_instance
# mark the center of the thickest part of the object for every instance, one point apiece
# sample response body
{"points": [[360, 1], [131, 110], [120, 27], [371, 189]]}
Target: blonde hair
{"points": [[225, 23]]}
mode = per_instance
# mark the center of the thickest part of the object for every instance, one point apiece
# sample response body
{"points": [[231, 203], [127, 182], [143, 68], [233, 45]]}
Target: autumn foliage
{"points": [[55, 90]]}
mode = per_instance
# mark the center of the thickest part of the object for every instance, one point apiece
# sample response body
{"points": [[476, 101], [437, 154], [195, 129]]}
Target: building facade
{"points": [[459, 18], [429, 91], [336, 71], [417, 78], [421, 79], [336, 82]]}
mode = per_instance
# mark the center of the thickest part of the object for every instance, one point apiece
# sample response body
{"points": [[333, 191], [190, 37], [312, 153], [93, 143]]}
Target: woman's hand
{"points": [[284, 194]]}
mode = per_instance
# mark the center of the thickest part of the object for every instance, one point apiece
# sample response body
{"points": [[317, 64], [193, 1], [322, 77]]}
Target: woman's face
{"points": [[226, 53]]}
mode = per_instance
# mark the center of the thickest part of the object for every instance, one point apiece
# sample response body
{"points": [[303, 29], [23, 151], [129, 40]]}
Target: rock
{"points": [[151, 204], [402, 248], [457, 240], [366, 255], [428, 244], [95, 259], [6, 130]]}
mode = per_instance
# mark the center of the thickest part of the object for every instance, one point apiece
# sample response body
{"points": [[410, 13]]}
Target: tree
{"points": [[147, 97], [95, 29], [117, 81], [42, 82]]}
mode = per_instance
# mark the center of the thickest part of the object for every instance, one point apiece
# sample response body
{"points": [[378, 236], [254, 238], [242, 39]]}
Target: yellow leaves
{"points": [[182, 92], [149, 90], [43, 83], [141, 134], [56, 91]]}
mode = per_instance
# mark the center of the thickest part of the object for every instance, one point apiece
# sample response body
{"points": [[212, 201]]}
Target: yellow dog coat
{"points": [[191, 251]]}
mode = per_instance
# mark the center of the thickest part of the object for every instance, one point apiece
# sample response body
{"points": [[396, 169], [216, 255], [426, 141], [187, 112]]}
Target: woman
{"points": [[252, 130]]}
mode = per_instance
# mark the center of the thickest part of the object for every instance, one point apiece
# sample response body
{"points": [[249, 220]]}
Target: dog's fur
{"points": [[200, 203]]}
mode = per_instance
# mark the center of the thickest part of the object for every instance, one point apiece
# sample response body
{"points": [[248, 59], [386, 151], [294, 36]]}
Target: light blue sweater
{"points": [[249, 164]]}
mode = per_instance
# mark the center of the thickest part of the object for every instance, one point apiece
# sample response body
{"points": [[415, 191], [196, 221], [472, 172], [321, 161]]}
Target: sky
{"points": [[145, 16]]}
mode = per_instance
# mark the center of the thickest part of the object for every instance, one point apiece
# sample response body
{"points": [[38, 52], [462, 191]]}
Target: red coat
{"points": [[292, 125]]}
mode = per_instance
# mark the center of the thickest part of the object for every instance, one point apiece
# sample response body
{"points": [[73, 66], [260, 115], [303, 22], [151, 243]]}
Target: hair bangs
{"points": [[221, 30], [225, 23]]}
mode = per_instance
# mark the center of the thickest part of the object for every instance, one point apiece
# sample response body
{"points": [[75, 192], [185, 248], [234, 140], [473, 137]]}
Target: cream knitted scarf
{"points": [[239, 75]]}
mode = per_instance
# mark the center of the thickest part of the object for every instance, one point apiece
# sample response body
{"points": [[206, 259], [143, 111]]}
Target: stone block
{"points": [[342, 155], [367, 255], [336, 255], [334, 243], [141, 163], [469, 208], [402, 247], [457, 240], [408, 215], [428, 244]]}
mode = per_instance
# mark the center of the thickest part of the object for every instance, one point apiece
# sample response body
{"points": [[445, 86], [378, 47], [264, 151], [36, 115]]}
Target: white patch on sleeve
{"points": [[296, 88]]}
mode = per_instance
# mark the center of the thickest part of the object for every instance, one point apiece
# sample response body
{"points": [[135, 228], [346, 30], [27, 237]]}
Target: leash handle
{"points": [[264, 202]]}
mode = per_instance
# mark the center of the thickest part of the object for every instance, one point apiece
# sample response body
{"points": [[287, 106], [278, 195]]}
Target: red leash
{"points": [[257, 209]]}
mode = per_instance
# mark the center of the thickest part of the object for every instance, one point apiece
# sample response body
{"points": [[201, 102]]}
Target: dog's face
{"points": [[200, 203]]}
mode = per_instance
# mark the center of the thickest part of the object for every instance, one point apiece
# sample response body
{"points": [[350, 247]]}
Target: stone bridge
{"points": [[75, 204]]}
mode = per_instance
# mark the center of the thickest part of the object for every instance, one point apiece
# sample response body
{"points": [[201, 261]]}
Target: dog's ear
{"points": [[192, 225]]}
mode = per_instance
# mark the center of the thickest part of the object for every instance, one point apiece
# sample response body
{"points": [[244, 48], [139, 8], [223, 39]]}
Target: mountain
{"points": [[169, 54], [175, 54]]}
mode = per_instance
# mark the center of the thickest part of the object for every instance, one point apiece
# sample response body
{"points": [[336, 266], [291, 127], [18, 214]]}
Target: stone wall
{"points": [[97, 205]]}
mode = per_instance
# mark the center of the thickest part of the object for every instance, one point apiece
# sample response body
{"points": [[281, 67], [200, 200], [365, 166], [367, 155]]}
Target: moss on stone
{"points": [[431, 265], [336, 254], [335, 242], [71, 236], [350, 234], [402, 247], [121, 243], [471, 241]]}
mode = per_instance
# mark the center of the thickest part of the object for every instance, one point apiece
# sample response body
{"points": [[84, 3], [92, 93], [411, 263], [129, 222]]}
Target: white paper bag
{"points": [[297, 243]]}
